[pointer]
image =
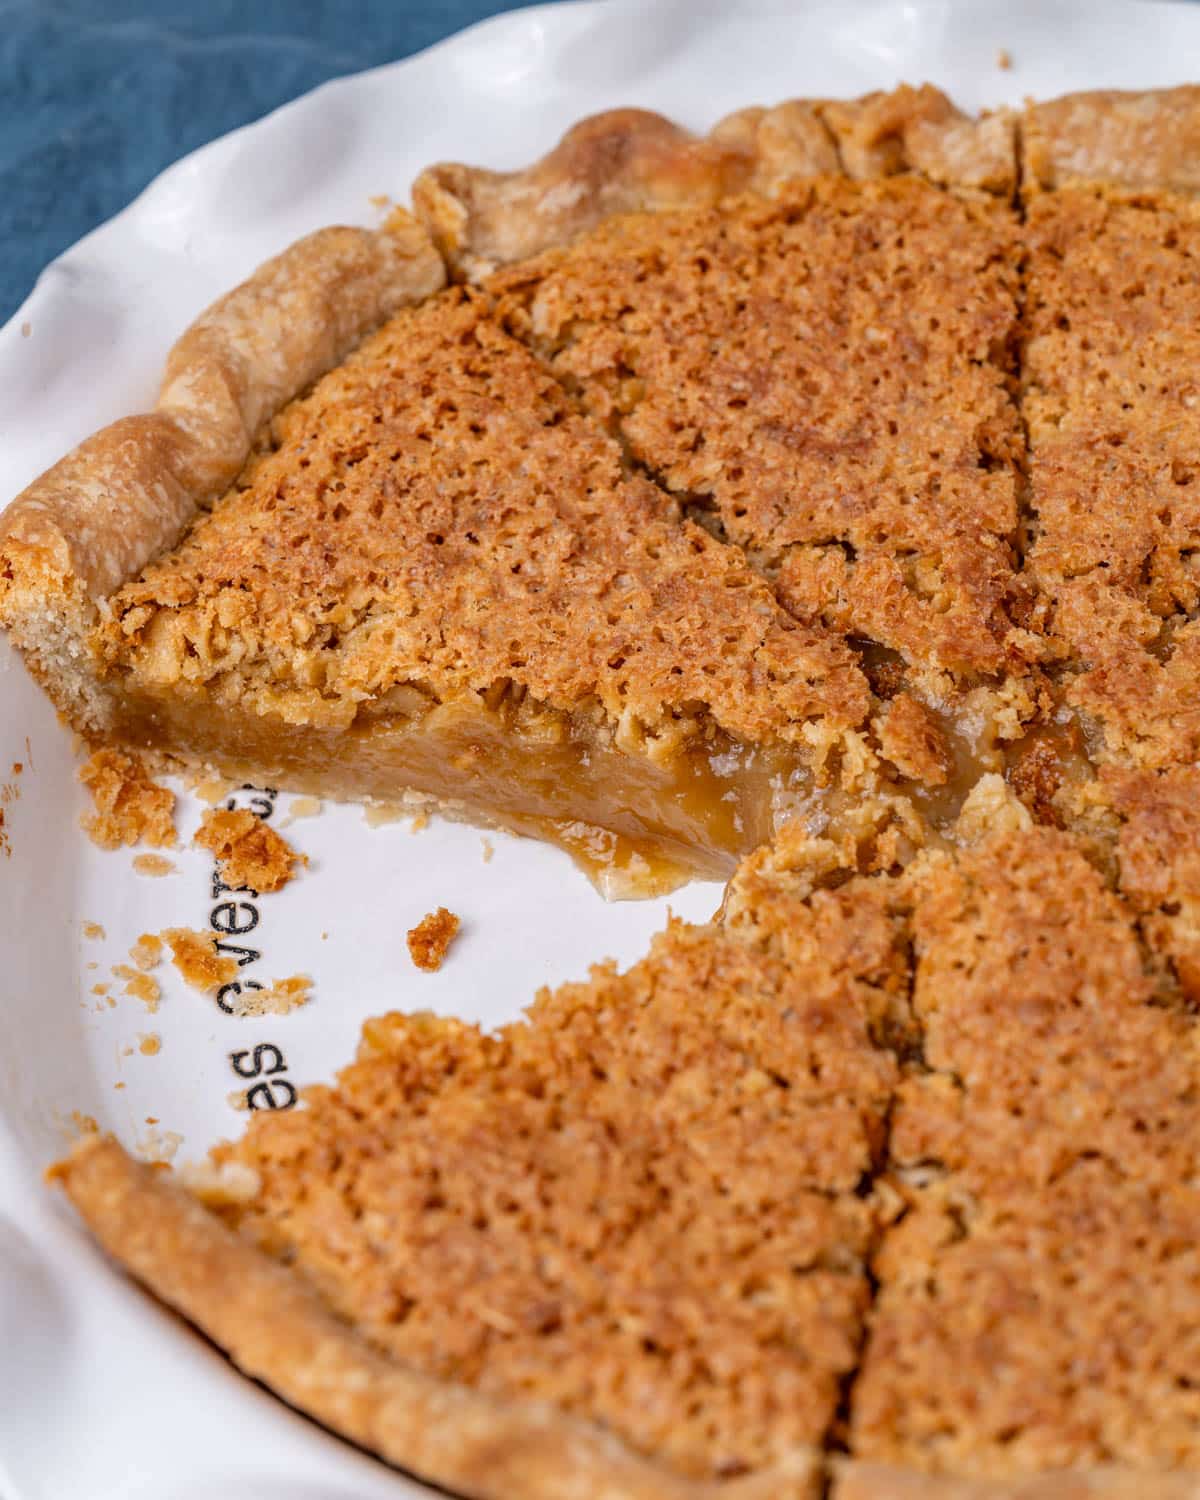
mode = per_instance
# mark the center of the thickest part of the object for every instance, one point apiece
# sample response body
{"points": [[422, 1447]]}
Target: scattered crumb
{"points": [[130, 807], [380, 200], [139, 985], [92, 964], [324, 937], [26, 330], [17, 768], [147, 952], [1004, 58], [301, 807], [419, 822], [159, 1145], [429, 940], [84, 1124], [118, 1085], [94, 930], [248, 852], [210, 788], [9, 792], [149, 1044], [488, 850], [151, 1119], [99, 989], [126, 1051], [276, 999], [220, 1186], [238, 1100], [195, 955], [153, 864]]}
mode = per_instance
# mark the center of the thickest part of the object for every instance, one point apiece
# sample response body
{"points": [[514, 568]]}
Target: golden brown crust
{"points": [[1137, 139], [277, 1331], [630, 160], [862, 1481], [128, 492]]}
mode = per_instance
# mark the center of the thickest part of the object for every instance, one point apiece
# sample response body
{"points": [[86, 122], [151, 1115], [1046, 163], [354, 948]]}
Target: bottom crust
{"points": [[276, 1330]]}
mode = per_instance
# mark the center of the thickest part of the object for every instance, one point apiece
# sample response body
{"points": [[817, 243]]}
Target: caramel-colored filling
{"points": [[638, 826]]}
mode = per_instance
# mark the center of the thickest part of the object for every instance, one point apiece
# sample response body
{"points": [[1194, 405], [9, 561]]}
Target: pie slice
{"points": [[440, 571], [617, 1249]]}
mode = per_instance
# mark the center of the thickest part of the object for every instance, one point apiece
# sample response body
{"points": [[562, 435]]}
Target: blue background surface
{"points": [[98, 96]]}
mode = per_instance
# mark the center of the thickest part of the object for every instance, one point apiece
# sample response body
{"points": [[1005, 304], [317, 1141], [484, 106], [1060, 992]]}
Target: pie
{"points": [[812, 501]]}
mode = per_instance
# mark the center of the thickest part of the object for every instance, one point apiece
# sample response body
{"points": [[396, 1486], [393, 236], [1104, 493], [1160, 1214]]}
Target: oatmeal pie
{"points": [[818, 492]]}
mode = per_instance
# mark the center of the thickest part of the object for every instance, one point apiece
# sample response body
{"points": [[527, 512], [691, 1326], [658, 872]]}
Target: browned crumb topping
{"points": [[129, 807], [429, 941], [249, 853], [439, 523], [1158, 851], [828, 376], [195, 955], [1039, 1296], [1113, 345], [155, 865], [640, 1204]]}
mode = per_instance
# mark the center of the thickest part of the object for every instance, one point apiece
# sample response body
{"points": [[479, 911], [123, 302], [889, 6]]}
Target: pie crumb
{"points": [[302, 807], [248, 853], [195, 955], [139, 985], [147, 952], [153, 864], [430, 939], [1004, 59], [211, 788], [277, 999], [129, 806], [149, 1044], [488, 850], [26, 330], [238, 1100], [84, 1124], [94, 931], [99, 989]]}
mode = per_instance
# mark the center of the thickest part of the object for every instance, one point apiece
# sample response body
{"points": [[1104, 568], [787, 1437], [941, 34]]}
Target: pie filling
{"points": [[637, 826]]}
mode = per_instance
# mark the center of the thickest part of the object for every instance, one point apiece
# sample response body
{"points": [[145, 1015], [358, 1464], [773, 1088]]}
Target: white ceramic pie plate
{"points": [[103, 1395]]}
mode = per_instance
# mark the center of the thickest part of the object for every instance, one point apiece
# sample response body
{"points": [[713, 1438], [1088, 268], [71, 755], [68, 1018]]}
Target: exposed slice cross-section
{"points": [[440, 577]]}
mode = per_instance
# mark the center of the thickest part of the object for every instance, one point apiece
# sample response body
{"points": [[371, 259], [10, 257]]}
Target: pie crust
{"points": [[91, 525]]}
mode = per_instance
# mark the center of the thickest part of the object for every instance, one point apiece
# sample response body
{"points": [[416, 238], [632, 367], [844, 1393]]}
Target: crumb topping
{"points": [[429, 941], [249, 853], [129, 807], [438, 522], [827, 377], [1111, 401], [640, 1203], [1039, 1294]]}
